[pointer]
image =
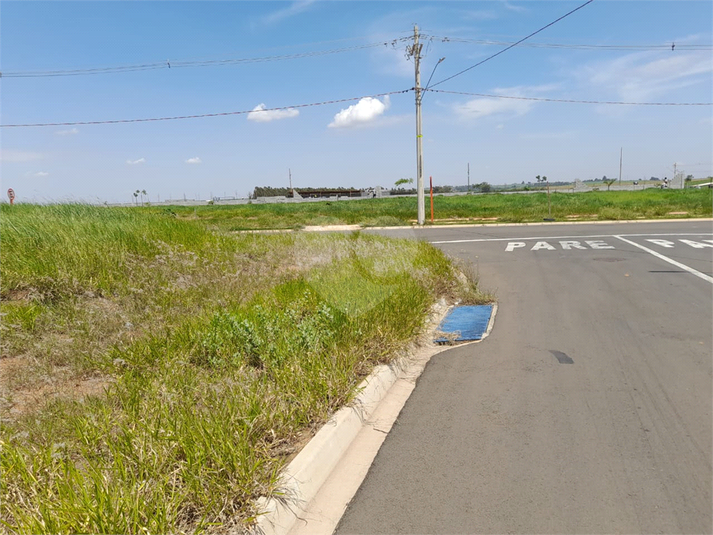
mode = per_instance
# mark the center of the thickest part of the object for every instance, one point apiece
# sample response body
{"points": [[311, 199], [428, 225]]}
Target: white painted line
{"points": [[540, 238], [543, 224], [669, 260]]}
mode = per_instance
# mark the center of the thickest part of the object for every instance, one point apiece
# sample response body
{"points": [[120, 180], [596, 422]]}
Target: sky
{"points": [[358, 143]]}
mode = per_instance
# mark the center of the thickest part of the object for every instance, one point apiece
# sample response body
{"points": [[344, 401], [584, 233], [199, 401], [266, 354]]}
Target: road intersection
{"points": [[587, 409]]}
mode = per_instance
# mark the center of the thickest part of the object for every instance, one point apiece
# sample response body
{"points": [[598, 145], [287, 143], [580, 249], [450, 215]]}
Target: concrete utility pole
{"points": [[468, 176], [415, 51], [621, 159]]}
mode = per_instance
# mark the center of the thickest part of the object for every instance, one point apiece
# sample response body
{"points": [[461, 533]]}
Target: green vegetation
{"points": [[515, 208], [158, 375]]}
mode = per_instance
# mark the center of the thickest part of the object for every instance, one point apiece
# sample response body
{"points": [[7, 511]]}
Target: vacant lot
{"points": [[515, 208], [157, 374]]}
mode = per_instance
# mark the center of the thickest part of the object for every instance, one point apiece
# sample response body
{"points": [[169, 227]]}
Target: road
{"points": [[587, 409]]}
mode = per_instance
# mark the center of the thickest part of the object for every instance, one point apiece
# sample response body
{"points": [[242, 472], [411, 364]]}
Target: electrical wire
{"points": [[221, 114], [514, 44], [692, 46], [191, 63], [572, 101]]}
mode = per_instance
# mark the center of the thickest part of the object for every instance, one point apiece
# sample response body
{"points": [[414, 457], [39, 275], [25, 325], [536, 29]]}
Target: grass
{"points": [[158, 375], [596, 205]]}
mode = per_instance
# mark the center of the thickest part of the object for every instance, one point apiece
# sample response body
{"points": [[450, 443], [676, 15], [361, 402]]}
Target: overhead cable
{"points": [[171, 64], [691, 46], [222, 114], [572, 101], [514, 44]]}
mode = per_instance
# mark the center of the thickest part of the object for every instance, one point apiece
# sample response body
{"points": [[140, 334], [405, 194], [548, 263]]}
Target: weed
{"points": [[506, 208], [183, 363]]}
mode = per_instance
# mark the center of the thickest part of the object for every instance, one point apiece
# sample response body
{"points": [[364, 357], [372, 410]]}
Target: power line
{"points": [[691, 46], [222, 114], [190, 63], [514, 44], [572, 101]]}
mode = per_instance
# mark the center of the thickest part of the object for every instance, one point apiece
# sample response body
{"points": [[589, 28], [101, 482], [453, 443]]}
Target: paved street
{"points": [[587, 409]]}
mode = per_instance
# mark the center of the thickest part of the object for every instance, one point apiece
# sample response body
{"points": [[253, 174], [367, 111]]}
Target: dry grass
{"points": [[159, 384]]}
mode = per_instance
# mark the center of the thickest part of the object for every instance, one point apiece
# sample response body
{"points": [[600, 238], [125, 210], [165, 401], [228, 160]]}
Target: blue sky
{"points": [[372, 143]]}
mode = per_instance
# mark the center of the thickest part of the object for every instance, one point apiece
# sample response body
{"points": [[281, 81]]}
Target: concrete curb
{"points": [[309, 470], [540, 223], [342, 228]]}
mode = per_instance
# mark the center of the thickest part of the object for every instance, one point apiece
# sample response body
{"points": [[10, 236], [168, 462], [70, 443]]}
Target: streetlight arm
{"points": [[433, 72]]}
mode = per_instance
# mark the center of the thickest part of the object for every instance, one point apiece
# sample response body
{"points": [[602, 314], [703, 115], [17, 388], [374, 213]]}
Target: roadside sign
{"points": [[11, 195]]}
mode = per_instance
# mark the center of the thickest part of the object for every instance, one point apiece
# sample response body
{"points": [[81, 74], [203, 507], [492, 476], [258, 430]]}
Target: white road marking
{"points": [[669, 260], [599, 244], [573, 237], [663, 243], [568, 244], [514, 245], [695, 244], [542, 245]]}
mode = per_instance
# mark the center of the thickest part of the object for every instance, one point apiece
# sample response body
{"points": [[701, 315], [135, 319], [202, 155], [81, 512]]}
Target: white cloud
{"points": [[194, 160], [39, 174], [478, 14], [364, 111], [643, 76], [14, 155], [568, 134], [392, 61], [512, 7], [295, 8], [134, 162], [69, 132], [260, 116], [482, 107]]}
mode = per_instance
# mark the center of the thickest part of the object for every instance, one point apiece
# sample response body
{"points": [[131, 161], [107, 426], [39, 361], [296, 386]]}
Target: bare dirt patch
{"points": [[17, 402]]}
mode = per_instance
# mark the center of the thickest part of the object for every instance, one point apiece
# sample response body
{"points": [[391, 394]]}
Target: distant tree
{"points": [[484, 187], [543, 178], [402, 181], [604, 178], [142, 193], [136, 197], [609, 182], [689, 178]]}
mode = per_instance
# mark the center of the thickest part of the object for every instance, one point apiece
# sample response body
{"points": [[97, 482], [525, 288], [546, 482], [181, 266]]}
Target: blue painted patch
{"points": [[466, 323]]}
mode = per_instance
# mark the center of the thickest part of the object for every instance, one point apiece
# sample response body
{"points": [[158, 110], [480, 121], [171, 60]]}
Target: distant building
{"points": [[315, 193]]}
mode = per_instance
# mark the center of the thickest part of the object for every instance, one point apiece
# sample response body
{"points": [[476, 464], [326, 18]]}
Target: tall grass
{"points": [[601, 205], [216, 353], [61, 249]]}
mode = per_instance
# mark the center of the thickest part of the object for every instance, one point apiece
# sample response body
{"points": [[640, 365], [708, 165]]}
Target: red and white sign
{"points": [[11, 195]]}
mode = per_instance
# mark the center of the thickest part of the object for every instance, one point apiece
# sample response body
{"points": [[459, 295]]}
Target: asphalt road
{"points": [[587, 409]]}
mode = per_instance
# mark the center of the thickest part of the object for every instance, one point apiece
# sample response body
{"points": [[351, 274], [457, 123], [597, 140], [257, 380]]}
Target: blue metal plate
{"points": [[465, 323]]}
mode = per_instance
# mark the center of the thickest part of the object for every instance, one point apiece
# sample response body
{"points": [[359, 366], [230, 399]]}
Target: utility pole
{"points": [[415, 51], [289, 171], [621, 159], [468, 176]]}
